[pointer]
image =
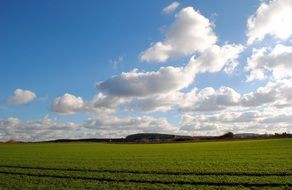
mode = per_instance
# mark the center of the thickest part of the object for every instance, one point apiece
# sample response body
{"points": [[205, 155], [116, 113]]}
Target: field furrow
{"points": [[151, 172], [208, 183]]}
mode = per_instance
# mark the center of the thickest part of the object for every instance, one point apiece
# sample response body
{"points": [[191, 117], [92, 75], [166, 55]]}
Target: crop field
{"points": [[248, 164]]}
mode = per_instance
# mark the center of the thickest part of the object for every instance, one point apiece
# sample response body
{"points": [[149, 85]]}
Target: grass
{"points": [[257, 164]]}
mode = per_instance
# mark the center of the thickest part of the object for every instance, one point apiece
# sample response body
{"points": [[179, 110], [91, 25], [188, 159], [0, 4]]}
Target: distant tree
{"points": [[11, 141], [228, 135]]}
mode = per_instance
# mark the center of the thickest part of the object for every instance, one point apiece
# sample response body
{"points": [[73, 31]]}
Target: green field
{"points": [[254, 164]]}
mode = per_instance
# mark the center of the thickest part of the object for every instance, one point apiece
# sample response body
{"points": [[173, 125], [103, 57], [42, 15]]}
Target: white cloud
{"points": [[103, 104], [99, 104], [216, 58], [239, 121], [68, 104], [272, 18], [191, 32], [171, 7], [22, 97], [194, 125], [157, 103], [10, 122], [142, 84], [261, 96], [266, 61], [36, 130], [278, 93], [209, 99]]}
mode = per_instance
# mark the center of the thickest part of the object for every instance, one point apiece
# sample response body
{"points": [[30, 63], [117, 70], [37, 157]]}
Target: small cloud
{"points": [[171, 7], [68, 104], [117, 62], [22, 97]]}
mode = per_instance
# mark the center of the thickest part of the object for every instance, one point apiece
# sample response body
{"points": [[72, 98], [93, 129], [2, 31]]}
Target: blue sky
{"points": [[50, 48]]}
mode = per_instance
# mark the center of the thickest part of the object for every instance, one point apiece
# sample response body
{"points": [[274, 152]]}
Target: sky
{"points": [[105, 69]]}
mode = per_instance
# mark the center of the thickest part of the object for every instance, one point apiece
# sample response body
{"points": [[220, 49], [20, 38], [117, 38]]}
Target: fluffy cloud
{"points": [[10, 122], [99, 104], [261, 96], [195, 125], [255, 121], [171, 7], [104, 104], [191, 32], [277, 93], [264, 61], [22, 97], [36, 130], [216, 58], [209, 99], [161, 103], [272, 18], [141, 84], [68, 104]]}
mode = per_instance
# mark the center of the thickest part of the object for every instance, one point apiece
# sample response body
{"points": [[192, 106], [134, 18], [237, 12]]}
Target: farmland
{"points": [[257, 164]]}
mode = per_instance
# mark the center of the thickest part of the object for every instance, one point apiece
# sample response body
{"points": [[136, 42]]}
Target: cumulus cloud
{"points": [[278, 93], [265, 61], [216, 58], [171, 7], [105, 104], [157, 103], [99, 104], [9, 122], [22, 97], [209, 99], [68, 104], [261, 96], [37, 130], [273, 18], [240, 121], [190, 32], [141, 84], [194, 126]]}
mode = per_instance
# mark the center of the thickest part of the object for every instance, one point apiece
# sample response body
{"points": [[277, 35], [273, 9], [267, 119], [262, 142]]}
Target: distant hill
{"points": [[165, 138], [152, 137]]}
